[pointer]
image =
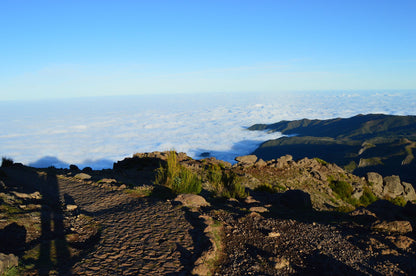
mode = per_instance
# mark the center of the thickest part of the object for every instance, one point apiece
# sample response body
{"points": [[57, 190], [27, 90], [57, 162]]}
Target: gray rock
{"points": [[36, 195], [83, 176], [409, 192], [191, 200], [261, 163], [392, 186], [246, 159], [376, 183], [259, 209], [286, 158], [7, 261], [358, 192], [71, 207]]}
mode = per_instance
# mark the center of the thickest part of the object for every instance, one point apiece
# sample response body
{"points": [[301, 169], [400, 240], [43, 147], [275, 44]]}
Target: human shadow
{"points": [[50, 247], [52, 161], [54, 251]]}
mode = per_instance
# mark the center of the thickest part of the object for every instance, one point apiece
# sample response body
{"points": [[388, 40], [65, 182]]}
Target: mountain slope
{"points": [[373, 142]]}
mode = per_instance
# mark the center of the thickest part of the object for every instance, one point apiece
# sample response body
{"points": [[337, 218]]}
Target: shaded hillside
{"points": [[363, 143]]}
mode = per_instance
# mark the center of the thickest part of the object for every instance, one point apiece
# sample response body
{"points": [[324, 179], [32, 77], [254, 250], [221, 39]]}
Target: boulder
{"points": [[396, 226], [296, 199], [261, 163], [191, 200], [7, 261], [246, 159], [376, 183], [83, 176], [392, 186], [409, 192]]}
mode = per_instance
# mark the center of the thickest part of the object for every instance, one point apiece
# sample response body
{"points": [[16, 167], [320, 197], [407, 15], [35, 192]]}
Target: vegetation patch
{"points": [[342, 189], [269, 188], [321, 161], [178, 178], [141, 191], [225, 183], [399, 201], [368, 197]]}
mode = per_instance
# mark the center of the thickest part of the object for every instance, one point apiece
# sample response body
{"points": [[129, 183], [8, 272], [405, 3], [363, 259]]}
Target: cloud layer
{"points": [[98, 131]]}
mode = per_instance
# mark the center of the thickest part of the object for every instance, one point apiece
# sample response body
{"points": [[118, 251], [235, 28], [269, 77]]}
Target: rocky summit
{"points": [[164, 213]]}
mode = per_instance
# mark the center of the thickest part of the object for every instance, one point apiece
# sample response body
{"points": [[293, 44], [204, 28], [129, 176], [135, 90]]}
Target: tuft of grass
{"points": [[320, 161], [399, 201], [141, 191], [13, 271], [342, 189], [225, 183], [177, 177], [368, 197], [269, 188]]}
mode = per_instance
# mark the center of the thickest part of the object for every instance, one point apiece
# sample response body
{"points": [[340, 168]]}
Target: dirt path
{"points": [[140, 236]]}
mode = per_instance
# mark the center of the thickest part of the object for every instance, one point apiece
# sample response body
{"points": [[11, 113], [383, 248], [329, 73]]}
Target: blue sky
{"points": [[54, 49]]}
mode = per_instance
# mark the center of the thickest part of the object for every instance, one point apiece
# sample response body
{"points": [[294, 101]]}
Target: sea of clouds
{"points": [[96, 132]]}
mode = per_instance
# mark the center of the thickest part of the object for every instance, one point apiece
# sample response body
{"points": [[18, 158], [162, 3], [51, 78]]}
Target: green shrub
{"points": [[225, 184], [232, 186], [177, 177], [399, 201], [342, 189], [269, 188], [368, 197], [6, 162], [320, 161]]}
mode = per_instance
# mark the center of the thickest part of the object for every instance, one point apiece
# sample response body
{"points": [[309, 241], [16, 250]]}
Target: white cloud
{"points": [[95, 132]]}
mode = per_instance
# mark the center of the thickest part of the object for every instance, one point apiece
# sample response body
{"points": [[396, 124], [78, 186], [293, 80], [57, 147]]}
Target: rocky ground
{"points": [[72, 222]]}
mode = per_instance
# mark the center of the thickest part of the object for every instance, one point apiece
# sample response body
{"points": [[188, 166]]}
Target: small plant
{"points": [[177, 177], [269, 188], [141, 191], [399, 201], [6, 162], [368, 197], [320, 161], [342, 189]]}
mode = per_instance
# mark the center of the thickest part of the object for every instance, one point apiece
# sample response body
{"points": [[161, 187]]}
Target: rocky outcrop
{"points": [[390, 187], [246, 160]]}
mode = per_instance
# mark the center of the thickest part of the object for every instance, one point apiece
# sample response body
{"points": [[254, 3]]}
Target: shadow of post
{"points": [[54, 251]]}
